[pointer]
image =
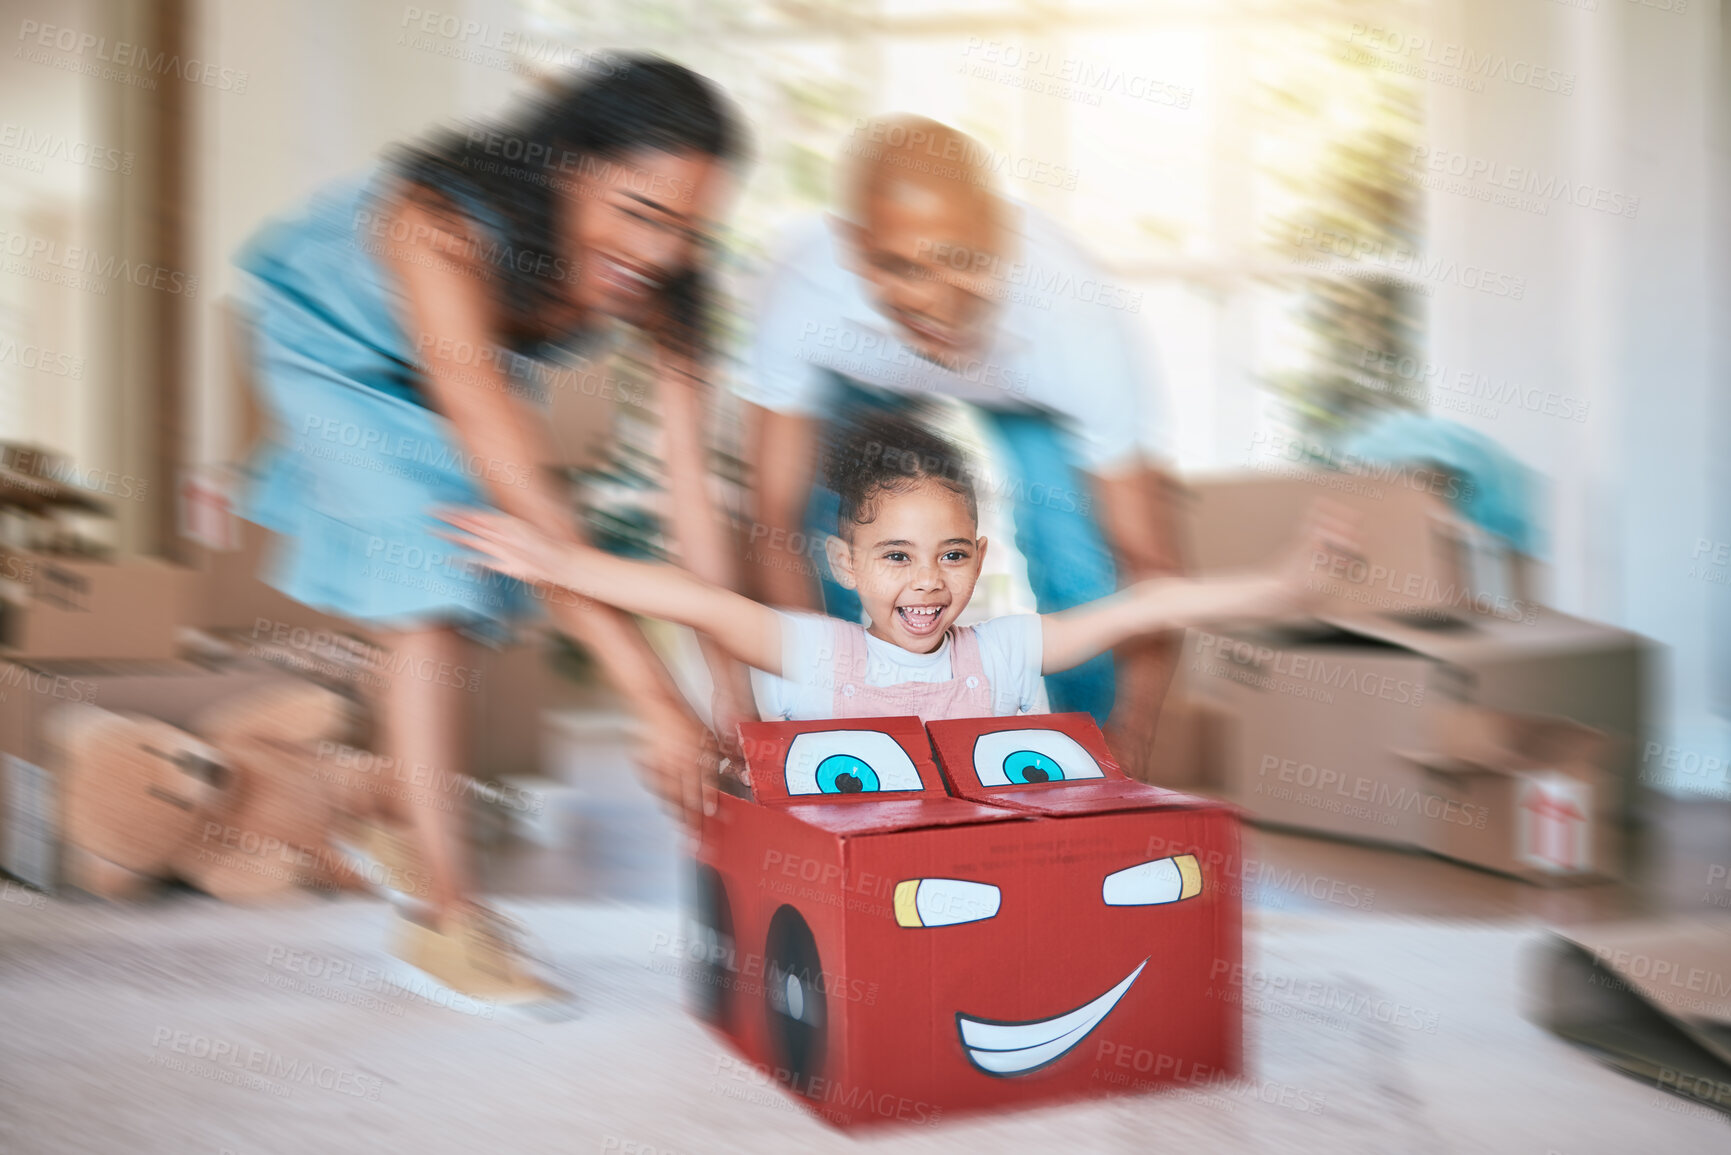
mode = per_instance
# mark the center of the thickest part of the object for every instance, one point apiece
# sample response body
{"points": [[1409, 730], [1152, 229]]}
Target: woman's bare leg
{"points": [[422, 725]]}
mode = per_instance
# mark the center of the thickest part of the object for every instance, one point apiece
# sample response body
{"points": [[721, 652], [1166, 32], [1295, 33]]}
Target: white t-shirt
{"points": [[1065, 341], [1009, 653]]}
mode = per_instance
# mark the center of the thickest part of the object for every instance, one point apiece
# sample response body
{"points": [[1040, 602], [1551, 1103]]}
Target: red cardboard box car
{"points": [[894, 938]]}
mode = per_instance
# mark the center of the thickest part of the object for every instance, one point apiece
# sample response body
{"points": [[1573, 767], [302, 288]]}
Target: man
{"points": [[929, 284]]}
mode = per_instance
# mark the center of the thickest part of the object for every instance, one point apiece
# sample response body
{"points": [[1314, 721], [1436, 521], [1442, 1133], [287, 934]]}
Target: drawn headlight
{"points": [[1152, 883], [944, 901]]}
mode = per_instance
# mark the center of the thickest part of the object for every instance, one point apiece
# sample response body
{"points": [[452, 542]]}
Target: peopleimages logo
{"points": [[1070, 77], [1454, 62], [834, 1100], [1241, 873], [240, 1059], [495, 46], [977, 265], [42, 360], [1382, 801], [57, 146], [135, 57], [1494, 176], [80, 262], [1434, 375], [1311, 668], [1368, 255], [959, 157]]}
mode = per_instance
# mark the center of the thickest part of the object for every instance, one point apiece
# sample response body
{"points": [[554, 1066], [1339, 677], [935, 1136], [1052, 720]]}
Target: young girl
{"points": [[908, 544]]}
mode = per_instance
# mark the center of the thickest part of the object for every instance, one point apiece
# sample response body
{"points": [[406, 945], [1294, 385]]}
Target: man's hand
{"points": [[679, 760], [1130, 736], [731, 704], [1328, 542]]}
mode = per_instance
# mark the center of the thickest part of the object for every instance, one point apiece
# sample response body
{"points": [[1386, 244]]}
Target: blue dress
{"points": [[356, 461]]}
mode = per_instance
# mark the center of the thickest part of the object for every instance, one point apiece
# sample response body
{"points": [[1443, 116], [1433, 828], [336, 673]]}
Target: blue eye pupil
{"points": [[845, 774], [1028, 766]]}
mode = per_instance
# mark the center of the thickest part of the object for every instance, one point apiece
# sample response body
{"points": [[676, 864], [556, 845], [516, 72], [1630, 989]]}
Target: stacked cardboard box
{"points": [[510, 690], [1420, 558], [1540, 786], [64, 622], [34, 691], [1352, 727], [64, 607]]}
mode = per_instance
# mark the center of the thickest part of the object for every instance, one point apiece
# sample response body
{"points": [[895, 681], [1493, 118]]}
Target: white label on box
{"points": [[31, 835], [1554, 823]]}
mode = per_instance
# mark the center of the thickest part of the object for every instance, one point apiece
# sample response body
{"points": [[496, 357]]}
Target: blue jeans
{"points": [[1068, 560]]}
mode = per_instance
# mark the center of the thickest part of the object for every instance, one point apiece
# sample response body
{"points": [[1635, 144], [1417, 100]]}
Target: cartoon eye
{"points": [[1152, 883], [845, 774], [1025, 757], [944, 901], [849, 762]]}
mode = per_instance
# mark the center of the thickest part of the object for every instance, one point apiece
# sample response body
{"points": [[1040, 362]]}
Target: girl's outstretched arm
{"points": [[748, 631], [1073, 636]]}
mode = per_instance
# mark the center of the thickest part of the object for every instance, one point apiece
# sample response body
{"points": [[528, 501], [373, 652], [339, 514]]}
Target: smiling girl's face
{"points": [[914, 564]]}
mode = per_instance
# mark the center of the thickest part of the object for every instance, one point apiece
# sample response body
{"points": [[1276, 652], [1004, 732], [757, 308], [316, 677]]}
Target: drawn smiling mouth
{"points": [[1018, 1048]]}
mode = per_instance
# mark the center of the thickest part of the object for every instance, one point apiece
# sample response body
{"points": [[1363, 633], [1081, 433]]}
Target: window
{"points": [[1185, 143]]}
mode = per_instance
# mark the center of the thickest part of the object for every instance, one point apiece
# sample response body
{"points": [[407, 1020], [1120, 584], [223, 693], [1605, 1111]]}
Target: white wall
{"points": [[1618, 313], [331, 83]]}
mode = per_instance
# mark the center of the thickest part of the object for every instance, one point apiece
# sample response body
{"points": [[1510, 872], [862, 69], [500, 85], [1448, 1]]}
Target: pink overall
{"points": [[966, 695]]}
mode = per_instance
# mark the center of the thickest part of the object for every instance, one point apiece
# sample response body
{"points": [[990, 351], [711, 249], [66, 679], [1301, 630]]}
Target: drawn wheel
{"points": [[710, 978], [794, 998]]}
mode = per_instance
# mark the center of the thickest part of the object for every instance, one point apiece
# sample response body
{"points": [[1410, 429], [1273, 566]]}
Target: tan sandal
{"points": [[479, 953], [385, 860]]}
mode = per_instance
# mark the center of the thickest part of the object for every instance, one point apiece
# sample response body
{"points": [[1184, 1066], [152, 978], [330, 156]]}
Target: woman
{"points": [[401, 323]]}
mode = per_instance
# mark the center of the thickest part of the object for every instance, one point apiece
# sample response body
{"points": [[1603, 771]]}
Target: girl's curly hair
{"points": [[892, 453], [514, 172]]}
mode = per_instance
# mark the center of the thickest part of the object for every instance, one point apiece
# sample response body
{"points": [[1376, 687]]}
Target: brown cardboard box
{"points": [[1315, 720], [1477, 742], [1650, 998], [522, 689], [232, 596], [132, 790], [70, 607], [512, 688], [1413, 552], [1551, 664], [1187, 743], [31, 692], [1539, 785]]}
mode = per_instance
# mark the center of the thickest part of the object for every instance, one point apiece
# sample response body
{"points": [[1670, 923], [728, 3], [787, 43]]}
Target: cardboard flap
{"points": [[1476, 740], [878, 816], [1681, 965], [848, 761], [1452, 765], [1578, 995], [982, 758]]}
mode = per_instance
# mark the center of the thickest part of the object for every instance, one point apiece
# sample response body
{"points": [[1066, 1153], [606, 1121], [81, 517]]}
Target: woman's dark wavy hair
{"points": [[613, 105], [891, 453]]}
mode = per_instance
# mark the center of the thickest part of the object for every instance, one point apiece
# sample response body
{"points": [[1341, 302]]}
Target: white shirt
{"points": [[1065, 340], [1009, 653]]}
